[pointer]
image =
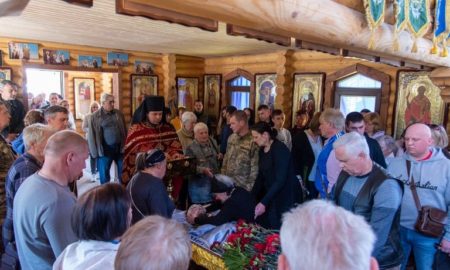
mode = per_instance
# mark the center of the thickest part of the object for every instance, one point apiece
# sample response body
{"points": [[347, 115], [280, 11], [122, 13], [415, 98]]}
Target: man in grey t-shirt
{"points": [[366, 189], [43, 205]]}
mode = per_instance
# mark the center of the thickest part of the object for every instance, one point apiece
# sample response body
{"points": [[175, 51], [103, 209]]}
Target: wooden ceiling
{"points": [[100, 26]]}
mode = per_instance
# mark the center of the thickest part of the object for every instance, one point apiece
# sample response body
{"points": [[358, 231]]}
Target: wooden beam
{"points": [[87, 3], [318, 21], [136, 8], [12, 7], [301, 44], [353, 54], [234, 30]]}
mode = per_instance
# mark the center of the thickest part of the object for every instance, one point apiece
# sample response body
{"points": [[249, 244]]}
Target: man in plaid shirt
{"points": [[35, 138]]}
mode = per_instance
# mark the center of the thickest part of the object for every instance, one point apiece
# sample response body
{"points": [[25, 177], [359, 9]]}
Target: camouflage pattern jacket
{"points": [[241, 160]]}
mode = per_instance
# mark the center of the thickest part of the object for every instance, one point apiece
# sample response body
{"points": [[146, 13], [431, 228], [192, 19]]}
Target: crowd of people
{"points": [[343, 193]]}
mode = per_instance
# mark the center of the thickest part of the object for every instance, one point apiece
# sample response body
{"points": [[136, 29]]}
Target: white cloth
{"points": [[87, 255]]}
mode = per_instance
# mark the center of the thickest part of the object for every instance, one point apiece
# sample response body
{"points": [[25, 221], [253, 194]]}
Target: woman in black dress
{"points": [[276, 187], [147, 190]]}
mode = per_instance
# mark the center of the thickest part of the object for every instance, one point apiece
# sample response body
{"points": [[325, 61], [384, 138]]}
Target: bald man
{"points": [[43, 205], [430, 170]]}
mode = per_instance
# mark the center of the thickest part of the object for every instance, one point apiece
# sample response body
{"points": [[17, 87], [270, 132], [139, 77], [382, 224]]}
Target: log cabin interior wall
{"points": [[75, 50], [168, 66]]}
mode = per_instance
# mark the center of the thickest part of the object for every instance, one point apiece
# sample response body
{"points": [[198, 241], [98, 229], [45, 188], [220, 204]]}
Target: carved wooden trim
{"points": [[349, 53], [87, 3], [301, 44], [134, 8], [385, 79], [235, 30], [236, 73], [68, 68]]}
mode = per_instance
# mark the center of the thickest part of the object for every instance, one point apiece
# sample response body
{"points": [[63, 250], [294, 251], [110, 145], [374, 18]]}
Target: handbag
{"points": [[431, 220]]}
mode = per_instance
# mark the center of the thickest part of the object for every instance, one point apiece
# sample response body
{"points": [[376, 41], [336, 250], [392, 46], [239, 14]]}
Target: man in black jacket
{"points": [[8, 93], [355, 122]]}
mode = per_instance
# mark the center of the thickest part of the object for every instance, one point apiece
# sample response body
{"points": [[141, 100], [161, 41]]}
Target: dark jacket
{"points": [[17, 112], [240, 205], [391, 253], [302, 155], [276, 186], [149, 197], [376, 154]]}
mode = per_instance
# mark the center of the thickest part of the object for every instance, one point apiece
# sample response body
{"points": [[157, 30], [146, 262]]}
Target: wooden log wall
{"points": [[189, 66], [284, 63], [310, 61], [100, 87], [75, 50], [258, 63]]}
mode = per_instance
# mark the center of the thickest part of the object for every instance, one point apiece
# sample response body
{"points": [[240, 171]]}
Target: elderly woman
{"points": [[146, 188], [99, 219], [186, 133], [207, 154], [85, 126], [389, 148]]}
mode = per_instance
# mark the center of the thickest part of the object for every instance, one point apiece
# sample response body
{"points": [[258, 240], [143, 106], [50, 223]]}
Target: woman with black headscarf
{"points": [[146, 188], [149, 130]]}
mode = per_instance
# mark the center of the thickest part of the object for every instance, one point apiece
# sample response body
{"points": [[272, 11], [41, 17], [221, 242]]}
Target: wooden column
{"points": [[169, 74], [285, 71]]}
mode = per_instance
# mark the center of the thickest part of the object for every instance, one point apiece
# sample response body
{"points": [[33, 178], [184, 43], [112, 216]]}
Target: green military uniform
{"points": [[241, 160], [7, 158]]}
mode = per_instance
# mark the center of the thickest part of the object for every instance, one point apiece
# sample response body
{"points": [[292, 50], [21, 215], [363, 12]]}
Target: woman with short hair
{"points": [[147, 191], [99, 219], [186, 133], [95, 106], [207, 155]]}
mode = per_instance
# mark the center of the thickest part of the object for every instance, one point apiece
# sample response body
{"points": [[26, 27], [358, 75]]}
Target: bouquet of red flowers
{"points": [[250, 247]]}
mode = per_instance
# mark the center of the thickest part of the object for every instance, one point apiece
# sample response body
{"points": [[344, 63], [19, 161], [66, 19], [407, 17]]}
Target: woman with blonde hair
{"points": [[373, 125]]}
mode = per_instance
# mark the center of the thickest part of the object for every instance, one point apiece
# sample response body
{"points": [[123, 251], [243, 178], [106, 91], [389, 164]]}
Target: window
{"points": [[44, 81], [357, 92], [239, 92]]}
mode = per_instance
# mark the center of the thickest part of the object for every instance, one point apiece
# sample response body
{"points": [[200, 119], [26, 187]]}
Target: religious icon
{"points": [[307, 96], [418, 101], [212, 94], [142, 86], [187, 92], [265, 90], [5, 73], [84, 95]]}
